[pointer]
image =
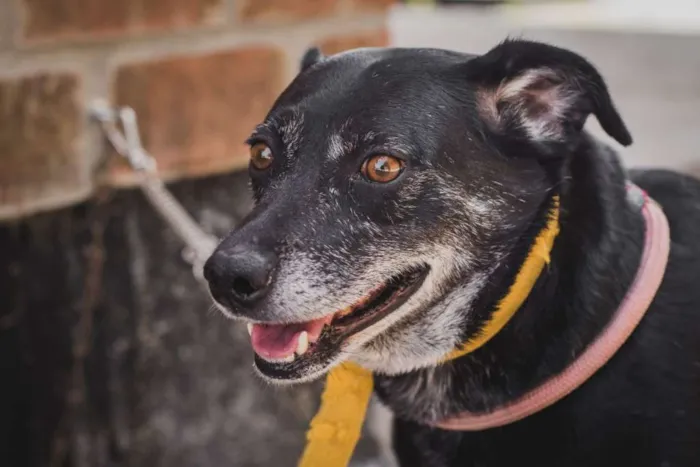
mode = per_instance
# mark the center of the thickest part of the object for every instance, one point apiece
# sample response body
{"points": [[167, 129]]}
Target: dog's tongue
{"points": [[277, 341]]}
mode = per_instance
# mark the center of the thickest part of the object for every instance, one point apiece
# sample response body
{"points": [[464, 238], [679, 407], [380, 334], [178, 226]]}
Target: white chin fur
{"points": [[309, 375], [433, 335], [425, 343]]}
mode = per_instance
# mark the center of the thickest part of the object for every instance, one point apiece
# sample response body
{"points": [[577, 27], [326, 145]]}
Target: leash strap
{"points": [[336, 428]]}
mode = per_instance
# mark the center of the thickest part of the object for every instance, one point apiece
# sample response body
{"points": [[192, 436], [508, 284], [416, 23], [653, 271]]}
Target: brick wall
{"points": [[200, 74]]}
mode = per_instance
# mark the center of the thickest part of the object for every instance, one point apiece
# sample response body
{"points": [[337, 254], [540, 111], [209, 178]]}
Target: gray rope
{"points": [[128, 144]]}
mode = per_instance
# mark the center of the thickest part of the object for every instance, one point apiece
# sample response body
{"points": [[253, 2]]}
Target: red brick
{"points": [[374, 38], [372, 5], [195, 112], [86, 19], [284, 10], [39, 124]]}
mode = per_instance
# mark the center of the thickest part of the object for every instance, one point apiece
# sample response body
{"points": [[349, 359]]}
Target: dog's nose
{"points": [[242, 275]]}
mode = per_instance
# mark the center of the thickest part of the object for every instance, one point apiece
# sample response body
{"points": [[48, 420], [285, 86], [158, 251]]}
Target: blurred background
{"points": [[109, 352]]}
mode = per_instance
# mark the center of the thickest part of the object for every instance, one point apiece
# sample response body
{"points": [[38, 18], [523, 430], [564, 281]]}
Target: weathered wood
{"points": [[111, 356]]}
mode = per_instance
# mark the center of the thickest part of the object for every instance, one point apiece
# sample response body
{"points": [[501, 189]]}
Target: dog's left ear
{"points": [[541, 93], [311, 56]]}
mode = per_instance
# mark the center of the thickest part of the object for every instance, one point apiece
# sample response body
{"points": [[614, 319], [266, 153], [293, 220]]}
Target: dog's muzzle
{"points": [[240, 279]]}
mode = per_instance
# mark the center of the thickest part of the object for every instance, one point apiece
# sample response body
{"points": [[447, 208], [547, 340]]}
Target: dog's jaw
{"points": [[435, 332], [428, 326], [418, 334]]}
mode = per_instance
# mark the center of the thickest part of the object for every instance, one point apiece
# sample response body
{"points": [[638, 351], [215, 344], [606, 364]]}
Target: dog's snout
{"points": [[241, 276]]}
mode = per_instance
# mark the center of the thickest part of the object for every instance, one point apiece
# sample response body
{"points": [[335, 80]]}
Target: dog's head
{"points": [[389, 183]]}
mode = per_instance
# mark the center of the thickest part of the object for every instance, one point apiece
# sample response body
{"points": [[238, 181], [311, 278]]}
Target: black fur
{"points": [[444, 112], [311, 56], [573, 73]]}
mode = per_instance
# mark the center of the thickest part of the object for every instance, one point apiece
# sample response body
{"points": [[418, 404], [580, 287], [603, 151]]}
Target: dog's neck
{"points": [[567, 308]]}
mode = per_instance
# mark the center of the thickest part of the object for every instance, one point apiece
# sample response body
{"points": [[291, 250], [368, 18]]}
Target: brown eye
{"points": [[382, 168], [261, 156]]}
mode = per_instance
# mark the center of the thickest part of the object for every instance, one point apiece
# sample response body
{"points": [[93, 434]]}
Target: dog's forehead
{"points": [[367, 69], [368, 96]]}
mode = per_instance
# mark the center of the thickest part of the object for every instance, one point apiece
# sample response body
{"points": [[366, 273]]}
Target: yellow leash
{"points": [[336, 428]]}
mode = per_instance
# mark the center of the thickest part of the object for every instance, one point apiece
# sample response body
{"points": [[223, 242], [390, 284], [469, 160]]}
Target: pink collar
{"points": [[632, 309]]}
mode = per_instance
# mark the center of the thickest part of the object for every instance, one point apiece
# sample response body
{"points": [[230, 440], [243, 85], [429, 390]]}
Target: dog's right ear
{"points": [[541, 94], [311, 56]]}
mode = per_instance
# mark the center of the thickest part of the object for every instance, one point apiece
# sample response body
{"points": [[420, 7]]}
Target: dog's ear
{"points": [[541, 93], [311, 56]]}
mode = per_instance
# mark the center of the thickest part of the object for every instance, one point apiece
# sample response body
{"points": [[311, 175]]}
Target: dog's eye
{"points": [[382, 168], [261, 156]]}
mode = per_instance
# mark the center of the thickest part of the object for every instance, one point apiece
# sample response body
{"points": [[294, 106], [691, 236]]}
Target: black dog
{"points": [[398, 192]]}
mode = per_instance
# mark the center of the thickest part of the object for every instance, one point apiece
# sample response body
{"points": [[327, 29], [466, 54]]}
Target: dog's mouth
{"points": [[289, 350]]}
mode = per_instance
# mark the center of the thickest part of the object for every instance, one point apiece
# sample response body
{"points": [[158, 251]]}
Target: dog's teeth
{"points": [[288, 359], [250, 329], [302, 343]]}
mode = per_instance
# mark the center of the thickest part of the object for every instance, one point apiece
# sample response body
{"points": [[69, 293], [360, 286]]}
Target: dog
{"points": [[398, 191]]}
